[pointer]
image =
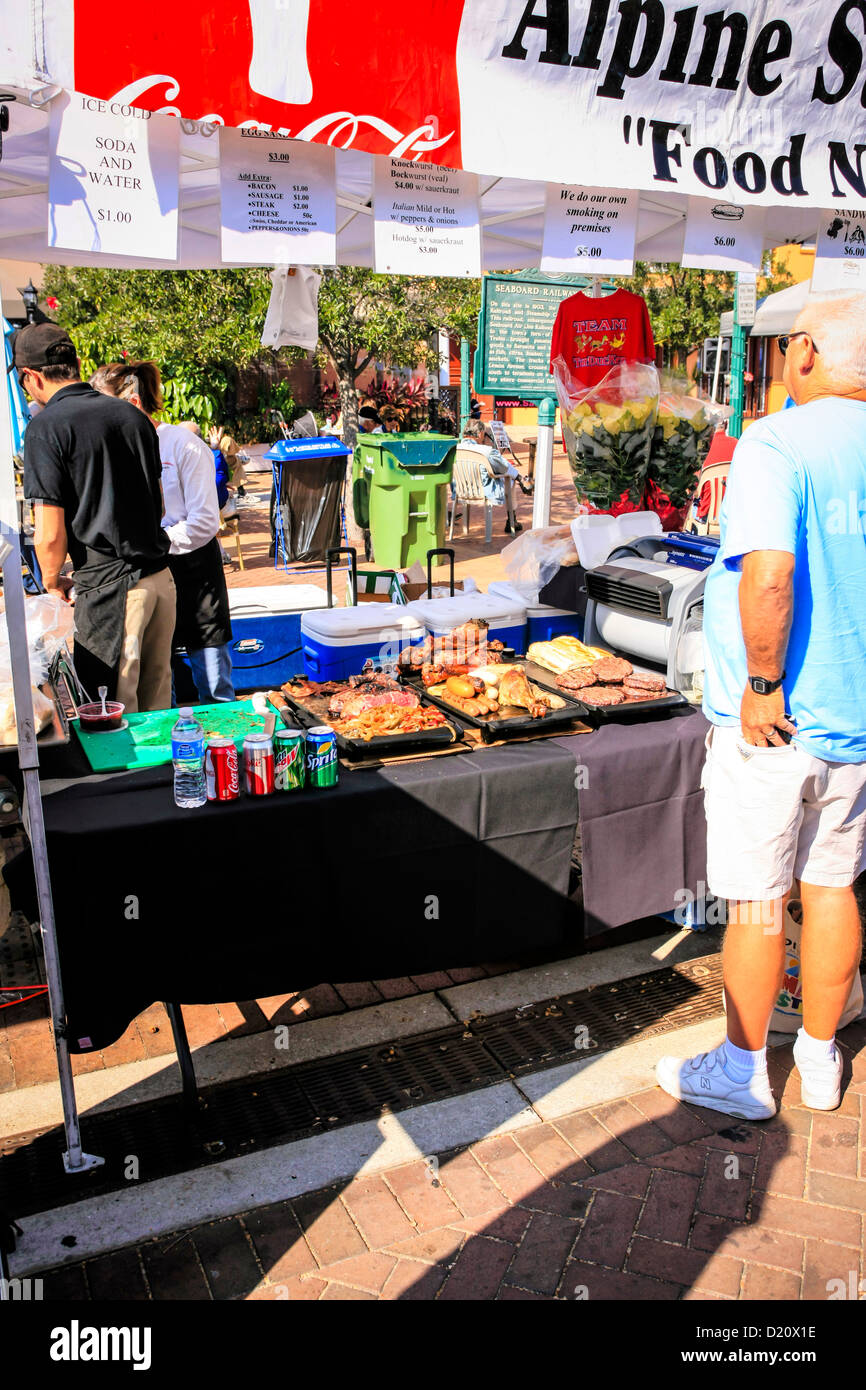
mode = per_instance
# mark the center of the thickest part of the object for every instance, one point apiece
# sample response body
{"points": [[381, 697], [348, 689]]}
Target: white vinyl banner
{"points": [[723, 236], [590, 229], [112, 178], [278, 199], [751, 103], [840, 255], [426, 219]]}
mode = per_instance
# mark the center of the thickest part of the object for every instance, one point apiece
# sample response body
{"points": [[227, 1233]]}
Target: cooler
{"points": [[543, 622], [506, 617], [266, 623], [338, 641]]}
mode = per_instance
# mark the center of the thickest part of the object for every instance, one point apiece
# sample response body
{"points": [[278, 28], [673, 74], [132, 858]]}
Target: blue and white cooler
{"points": [[506, 616], [266, 626], [543, 622], [338, 641]]}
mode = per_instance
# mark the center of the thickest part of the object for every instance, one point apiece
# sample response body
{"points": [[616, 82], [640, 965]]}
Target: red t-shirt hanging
{"points": [[593, 335]]}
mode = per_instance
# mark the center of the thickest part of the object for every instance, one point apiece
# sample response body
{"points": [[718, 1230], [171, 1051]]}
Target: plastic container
{"points": [[633, 525], [400, 494], [338, 641], [595, 537], [187, 756], [506, 616], [93, 721], [543, 621], [266, 647]]}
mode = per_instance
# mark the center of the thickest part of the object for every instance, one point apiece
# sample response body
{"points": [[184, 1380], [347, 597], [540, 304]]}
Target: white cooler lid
{"points": [[442, 614], [528, 594], [275, 598], [368, 620]]}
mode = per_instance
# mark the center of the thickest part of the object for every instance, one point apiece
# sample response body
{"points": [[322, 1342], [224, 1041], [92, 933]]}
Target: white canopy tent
{"points": [[776, 313]]}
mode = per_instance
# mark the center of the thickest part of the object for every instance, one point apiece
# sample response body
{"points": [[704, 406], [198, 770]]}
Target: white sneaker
{"points": [[703, 1081], [821, 1081]]}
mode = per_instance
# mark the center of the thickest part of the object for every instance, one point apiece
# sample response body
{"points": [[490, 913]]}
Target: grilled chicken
{"points": [[515, 689]]}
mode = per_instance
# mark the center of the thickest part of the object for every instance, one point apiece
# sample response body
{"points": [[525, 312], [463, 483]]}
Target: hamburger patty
{"points": [[639, 682], [602, 695], [576, 680], [610, 670]]}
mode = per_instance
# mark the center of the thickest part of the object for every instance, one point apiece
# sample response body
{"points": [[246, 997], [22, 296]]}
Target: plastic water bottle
{"points": [[187, 756]]}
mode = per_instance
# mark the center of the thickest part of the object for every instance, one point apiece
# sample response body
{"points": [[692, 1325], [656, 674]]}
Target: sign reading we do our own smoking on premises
{"points": [[112, 178], [589, 229]]}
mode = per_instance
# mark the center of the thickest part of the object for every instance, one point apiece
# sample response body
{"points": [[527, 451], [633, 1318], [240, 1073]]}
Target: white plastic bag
{"points": [[536, 556]]}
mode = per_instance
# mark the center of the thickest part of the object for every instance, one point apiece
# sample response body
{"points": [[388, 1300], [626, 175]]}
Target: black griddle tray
{"points": [[518, 723], [313, 710], [609, 713]]}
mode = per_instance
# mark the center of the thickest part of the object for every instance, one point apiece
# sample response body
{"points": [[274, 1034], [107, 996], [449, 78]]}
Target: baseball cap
{"points": [[41, 345]]}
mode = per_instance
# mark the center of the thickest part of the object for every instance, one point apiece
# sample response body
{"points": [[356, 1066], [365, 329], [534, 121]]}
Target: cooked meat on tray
{"points": [[595, 695], [611, 670], [577, 680], [644, 683], [465, 646], [357, 701], [492, 690], [390, 719]]}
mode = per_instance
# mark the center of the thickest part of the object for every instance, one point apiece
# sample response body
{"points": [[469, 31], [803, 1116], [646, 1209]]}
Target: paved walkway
{"points": [[640, 1198]]}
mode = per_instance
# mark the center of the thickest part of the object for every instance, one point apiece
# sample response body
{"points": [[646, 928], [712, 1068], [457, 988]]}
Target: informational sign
{"points": [[747, 298], [514, 332], [112, 178], [723, 236], [426, 219], [278, 199], [589, 229], [840, 254]]}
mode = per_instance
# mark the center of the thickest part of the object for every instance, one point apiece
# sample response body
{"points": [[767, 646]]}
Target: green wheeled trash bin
{"points": [[400, 488]]}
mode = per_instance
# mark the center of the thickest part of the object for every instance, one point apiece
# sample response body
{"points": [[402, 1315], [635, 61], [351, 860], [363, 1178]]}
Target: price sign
{"points": [[840, 254], [723, 236], [112, 178], [747, 299], [426, 219], [278, 199], [589, 229]]}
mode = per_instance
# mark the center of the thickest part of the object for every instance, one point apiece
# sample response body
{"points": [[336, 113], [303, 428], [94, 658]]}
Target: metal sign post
{"points": [[543, 463], [745, 307]]}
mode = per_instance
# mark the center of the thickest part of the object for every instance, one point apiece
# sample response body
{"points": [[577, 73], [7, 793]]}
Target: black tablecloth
{"points": [[406, 869]]}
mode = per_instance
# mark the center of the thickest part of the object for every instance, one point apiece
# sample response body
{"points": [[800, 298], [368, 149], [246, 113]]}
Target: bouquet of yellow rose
{"points": [[681, 440], [608, 430]]}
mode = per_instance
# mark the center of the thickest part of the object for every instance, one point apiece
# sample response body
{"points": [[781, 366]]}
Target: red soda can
{"points": [[221, 769], [258, 765]]}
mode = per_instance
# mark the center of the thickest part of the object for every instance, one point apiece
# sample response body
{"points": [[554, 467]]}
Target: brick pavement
{"points": [[636, 1199]]}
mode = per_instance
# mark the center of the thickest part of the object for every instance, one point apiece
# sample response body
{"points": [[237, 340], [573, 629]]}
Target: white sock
{"points": [[741, 1065], [816, 1049]]}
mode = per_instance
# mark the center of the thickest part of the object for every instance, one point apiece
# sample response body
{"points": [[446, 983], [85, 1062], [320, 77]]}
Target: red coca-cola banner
{"points": [[373, 76]]}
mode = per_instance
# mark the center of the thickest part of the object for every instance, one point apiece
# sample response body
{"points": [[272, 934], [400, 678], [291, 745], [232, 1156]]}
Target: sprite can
{"points": [[322, 767], [289, 753]]}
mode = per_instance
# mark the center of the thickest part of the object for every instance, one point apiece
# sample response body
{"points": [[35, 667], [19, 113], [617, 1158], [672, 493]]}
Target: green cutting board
{"points": [[147, 740]]}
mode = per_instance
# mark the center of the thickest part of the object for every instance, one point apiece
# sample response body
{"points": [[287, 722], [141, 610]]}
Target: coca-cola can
{"points": [[221, 769], [258, 765]]}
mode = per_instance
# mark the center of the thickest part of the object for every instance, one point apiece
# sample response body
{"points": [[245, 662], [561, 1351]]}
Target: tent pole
{"points": [[715, 390], [74, 1159]]}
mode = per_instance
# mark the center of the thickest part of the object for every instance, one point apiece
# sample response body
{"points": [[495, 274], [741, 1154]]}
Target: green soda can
{"points": [[289, 757], [322, 766]]}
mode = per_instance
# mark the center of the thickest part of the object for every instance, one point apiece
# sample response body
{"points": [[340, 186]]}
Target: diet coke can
{"points": [[258, 765], [221, 769]]}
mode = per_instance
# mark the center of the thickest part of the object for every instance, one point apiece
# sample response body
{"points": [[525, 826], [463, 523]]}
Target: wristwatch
{"points": [[762, 686]]}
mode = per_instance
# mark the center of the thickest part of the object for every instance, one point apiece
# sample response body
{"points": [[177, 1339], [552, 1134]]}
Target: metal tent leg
{"points": [[184, 1057]]}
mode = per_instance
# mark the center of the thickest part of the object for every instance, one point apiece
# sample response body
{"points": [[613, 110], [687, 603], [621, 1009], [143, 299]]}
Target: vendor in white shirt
{"points": [[191, 522]]}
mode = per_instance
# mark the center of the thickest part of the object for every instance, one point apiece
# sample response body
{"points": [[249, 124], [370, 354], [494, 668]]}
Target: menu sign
{"points": [[112, 178], [426, 219], [278, 199], [840, 254], [514, 333], [723, 236], [589, 229]]}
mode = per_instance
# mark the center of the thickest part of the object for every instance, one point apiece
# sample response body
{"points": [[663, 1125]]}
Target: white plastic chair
{"points": [[470, 469]]}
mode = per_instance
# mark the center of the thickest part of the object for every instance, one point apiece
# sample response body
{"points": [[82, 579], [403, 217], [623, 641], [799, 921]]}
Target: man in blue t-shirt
{"points": [[785, 692]]}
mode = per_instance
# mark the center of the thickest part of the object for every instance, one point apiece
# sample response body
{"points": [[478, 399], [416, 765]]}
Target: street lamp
{"points": [[30, 295]]}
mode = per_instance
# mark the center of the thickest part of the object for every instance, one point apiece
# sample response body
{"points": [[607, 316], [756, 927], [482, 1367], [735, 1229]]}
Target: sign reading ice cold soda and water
{"points": [[426, 219], [278, 199], [112, 178], [589, 229], [514, 332]]}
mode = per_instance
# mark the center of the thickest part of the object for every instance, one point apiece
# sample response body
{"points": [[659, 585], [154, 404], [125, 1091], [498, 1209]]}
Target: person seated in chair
{"points": [[476, 438]]}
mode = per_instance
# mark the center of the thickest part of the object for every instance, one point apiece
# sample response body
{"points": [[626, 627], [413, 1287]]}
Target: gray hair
{"points": [[837, 323], [475, 429]]}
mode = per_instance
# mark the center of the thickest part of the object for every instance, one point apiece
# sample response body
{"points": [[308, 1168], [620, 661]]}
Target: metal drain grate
{"points": [[256, 1113]]}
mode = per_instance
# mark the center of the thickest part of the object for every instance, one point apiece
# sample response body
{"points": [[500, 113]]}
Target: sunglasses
{"points": [[785, 339]]}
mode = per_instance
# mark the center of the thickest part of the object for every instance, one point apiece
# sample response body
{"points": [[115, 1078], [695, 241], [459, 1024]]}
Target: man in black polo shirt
{"points": [[91, 465]]}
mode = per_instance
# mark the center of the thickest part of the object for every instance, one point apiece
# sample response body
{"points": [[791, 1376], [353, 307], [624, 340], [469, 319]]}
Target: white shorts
{"points": [[776, 814]]}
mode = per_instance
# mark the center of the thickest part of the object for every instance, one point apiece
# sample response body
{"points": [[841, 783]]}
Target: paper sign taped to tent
{"points": [[723, 236], [112, 178], [591, 229], [278, 199], [840, 254], [426, 219]]}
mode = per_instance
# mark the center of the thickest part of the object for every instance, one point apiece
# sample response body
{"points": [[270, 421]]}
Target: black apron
{"points": [[101, 586], [203, 618]]}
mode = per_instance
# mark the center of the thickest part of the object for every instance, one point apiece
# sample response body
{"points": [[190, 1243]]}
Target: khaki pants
{"points": [[144, 672]]}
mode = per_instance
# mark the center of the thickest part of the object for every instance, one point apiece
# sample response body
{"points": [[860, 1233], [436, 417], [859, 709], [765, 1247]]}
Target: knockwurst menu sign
{"points": [[278, 199], [589, 229], [426, 219], [840, 254], [112, 179], [723, 236]]}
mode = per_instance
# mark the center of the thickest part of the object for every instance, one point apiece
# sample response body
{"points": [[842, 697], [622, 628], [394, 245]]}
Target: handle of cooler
{"points": [[330, 556], [430, 554]]}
